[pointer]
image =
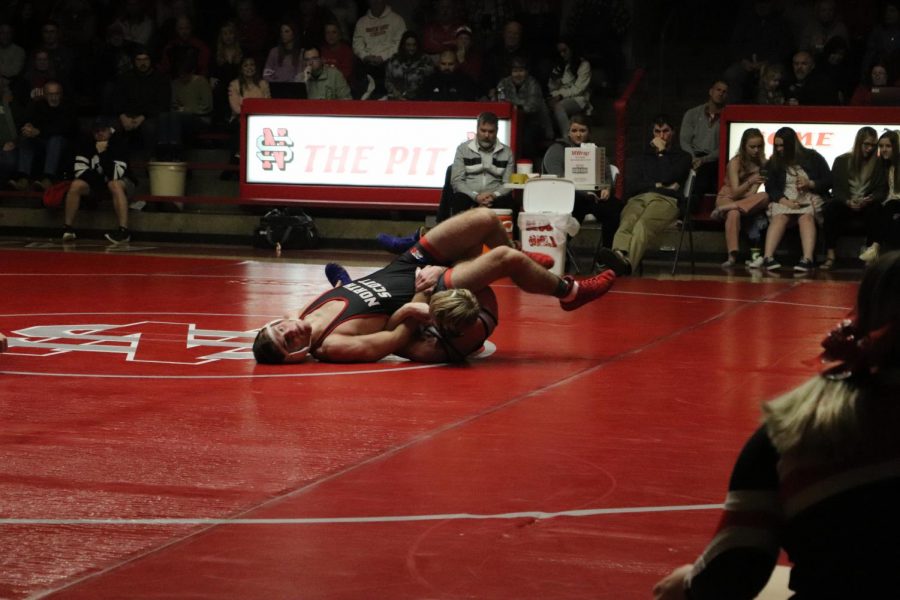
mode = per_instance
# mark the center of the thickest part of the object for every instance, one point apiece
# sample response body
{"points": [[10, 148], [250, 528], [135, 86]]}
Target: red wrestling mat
{"points": [[145, 455]]}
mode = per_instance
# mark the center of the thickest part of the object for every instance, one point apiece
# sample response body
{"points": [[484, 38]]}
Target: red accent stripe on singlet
{"points": [[447, 276], [430, 249]]}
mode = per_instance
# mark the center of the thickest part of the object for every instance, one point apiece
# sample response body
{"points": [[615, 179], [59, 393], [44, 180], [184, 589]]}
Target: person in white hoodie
{"points": [[376, 39]]}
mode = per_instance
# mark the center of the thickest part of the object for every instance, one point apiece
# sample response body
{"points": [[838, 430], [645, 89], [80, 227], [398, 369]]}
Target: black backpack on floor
{"points": [[291, 229]]}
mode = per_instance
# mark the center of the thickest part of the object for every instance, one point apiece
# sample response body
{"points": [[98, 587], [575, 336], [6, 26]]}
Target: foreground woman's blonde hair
{"points": [[855, 405]]}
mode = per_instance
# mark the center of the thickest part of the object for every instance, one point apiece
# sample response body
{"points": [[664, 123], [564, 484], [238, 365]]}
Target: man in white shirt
{"points": [[376, 39]]}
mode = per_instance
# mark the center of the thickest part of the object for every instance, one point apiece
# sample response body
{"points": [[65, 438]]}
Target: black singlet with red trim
{"points": [[380, 293]]}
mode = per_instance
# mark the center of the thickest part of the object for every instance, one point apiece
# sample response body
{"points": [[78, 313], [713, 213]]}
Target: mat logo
{"points": [[274, 149], [144, 341]]}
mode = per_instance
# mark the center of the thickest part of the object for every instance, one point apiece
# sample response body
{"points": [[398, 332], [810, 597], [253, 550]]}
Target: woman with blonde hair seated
{"points": [[820, 478], [740, 196], [859, 187]]}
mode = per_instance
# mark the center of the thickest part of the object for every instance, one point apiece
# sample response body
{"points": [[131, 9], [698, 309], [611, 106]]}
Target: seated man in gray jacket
{"points": [[480, 168]]}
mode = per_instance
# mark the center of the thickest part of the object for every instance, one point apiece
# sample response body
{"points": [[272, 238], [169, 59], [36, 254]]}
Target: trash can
{"points": [[167, 178], [546, 233]]}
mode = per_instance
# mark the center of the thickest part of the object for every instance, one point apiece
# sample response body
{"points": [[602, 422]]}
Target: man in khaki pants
{"points": [[654, 180]]}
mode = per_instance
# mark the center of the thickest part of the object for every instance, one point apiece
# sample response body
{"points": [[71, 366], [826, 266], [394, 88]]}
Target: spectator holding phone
{"points": [[859, 187], [740, 197], [797, 179]]}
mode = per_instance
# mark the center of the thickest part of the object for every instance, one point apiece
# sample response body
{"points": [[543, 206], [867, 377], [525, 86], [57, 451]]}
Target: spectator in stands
{"points": [[77, 20], [113, 61], [448, 84], [252, 30], [535, 128], [761, 37], [12, 56], [771, 85], [46, 138], [61, 57], [480, 168], [310, 19], [191, 111], [346, 13], [101, 165], [876, 79], [569, 85], [837, 67], [888, 236], [468, 56], [858, 189], [185, 44], [605, 207], [499, 58], [822, 28], [26, 23], [249, 84], [542, 20], [655, 180], [797, 180], [817, 477], [37, 73], [486, 17], [142, 95], [739, 201], [700, 130], [600, 28], [167, 13], [740, 198], [883, 43], [323, 83], [137, 27], [810, 86], [376, 39], [226, 68], [285, 62], [336, 52], [406, 71], [8, 135], [439, 33]]}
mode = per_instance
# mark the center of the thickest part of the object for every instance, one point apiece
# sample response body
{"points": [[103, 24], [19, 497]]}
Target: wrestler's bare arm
{"points": [[424, 349], [369, 347]]}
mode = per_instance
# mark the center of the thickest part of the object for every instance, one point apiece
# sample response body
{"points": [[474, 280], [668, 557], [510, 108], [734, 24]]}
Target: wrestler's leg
{"points": [[528, 275], [462, 236], [505, 261]]}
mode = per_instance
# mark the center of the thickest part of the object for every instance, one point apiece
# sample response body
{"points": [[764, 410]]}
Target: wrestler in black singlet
{"points": [[380, 293]]}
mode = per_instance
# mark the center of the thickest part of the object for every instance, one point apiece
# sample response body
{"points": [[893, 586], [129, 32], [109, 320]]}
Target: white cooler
{"points": [[547, 219]]}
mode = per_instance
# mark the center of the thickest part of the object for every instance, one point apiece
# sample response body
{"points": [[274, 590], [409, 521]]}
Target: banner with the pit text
{"points": [[384, 152]]}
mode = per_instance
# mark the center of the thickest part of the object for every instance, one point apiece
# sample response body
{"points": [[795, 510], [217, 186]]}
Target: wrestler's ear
{"points": [[298, 356]]}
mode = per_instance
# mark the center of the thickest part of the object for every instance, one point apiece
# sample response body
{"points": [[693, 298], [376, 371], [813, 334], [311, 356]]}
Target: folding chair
{"points": [[614, 172], [686, 224]]}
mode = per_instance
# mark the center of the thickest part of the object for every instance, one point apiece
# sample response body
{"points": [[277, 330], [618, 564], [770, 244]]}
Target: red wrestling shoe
{"points": [[545, 260], [588, 289]]}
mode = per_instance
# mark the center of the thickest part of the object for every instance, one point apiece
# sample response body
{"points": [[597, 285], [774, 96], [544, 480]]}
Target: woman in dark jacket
{"points": [[797, 180]]}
